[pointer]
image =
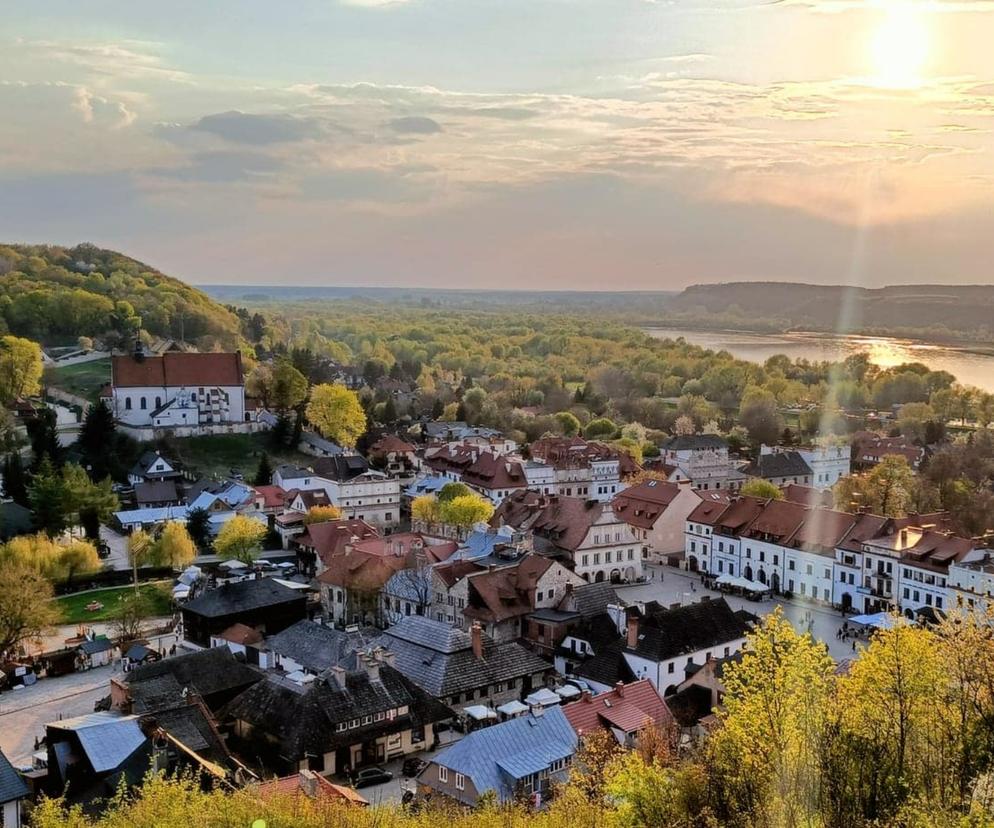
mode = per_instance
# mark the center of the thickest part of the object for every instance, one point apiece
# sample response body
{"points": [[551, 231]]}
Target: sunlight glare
{"points": [[900, 45]]}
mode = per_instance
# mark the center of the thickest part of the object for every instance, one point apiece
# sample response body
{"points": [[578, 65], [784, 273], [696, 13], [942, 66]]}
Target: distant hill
{"points": [[958, 312], [56, 294]]}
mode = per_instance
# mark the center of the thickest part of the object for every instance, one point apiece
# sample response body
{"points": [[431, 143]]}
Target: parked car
{"points": [[413, 766], [103, 550], [372, 776], [236, 474]]}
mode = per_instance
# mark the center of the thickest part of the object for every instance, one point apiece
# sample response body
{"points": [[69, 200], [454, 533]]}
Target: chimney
{"points": [[338, 675], [585, 696], [384, 656], [619, 689], [476, 633], [372, 666], [633, 631], [308, 783], [904, 538]]}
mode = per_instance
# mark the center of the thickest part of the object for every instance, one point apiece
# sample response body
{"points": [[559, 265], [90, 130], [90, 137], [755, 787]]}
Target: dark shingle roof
{"points": [[304, 719], [690, 442], [590, 599], [11, 785], [440, 659], [686, 629], [778, 464], [316, 647], [160, 684], [243, 596], [607, 667], [156, 491], [340, 467]]}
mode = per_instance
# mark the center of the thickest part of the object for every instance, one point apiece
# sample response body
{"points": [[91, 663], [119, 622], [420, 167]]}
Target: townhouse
{"points": [[703, 460], [657, 512], [863, 562], [574, 466], [586, 533]]}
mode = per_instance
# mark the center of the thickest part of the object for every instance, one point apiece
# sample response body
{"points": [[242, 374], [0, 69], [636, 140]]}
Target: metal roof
{"points": [[107, 739]]}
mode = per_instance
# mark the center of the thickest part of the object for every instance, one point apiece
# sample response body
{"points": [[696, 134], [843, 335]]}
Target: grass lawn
{"points": [[83, 379], [74, 606], [217, 454]]}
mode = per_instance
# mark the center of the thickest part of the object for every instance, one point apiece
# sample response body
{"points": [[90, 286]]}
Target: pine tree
{"points": [[264, 473], [97, 440], [389, 411], [15, 481], [44, 438], [48, 498]]}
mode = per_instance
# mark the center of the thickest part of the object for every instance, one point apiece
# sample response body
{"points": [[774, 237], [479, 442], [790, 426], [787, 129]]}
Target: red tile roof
{"points": [[241, 634], [295, 786], [272, 496], [390, 443], [506, 592], [174, 370], [630, 708], [330, 538], [642, 505]]}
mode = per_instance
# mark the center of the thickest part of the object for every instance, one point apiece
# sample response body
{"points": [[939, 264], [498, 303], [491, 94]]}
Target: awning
{"points": [[291, 584], [542, 698], [480, 712], [742, 583], [880, 620], [232, 564], [512, 708]]}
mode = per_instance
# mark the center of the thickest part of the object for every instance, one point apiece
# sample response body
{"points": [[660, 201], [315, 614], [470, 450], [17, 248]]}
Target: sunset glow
{"points": [[900, 45]]}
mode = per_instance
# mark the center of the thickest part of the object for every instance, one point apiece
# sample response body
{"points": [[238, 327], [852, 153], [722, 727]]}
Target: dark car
{"points": [[413, 766], [103, 550], [371, 776]]}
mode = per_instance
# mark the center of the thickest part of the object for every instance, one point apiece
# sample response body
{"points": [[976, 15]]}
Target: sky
{"points": [[553, 144]]}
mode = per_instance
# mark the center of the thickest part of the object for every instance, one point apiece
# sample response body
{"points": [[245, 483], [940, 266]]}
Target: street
{"points": [[669, 585]]}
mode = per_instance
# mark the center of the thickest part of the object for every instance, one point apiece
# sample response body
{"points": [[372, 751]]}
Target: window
{"points": [[790, 565], [143, 403], [443, 774], [460, 782], [340, 727], [380, 716], [127, 403], [669, 667], [354, 723]]}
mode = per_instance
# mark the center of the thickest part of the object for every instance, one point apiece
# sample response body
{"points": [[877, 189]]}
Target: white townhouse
{"points": [[178, 389], [578, 468], [971, 583], [829, 462]]}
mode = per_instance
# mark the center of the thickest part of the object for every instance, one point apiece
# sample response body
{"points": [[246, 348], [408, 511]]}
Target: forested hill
{"points": [[928, 311], [56, 294]]}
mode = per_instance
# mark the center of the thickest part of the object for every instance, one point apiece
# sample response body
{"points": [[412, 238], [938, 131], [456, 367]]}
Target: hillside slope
{"points": [[55, 294], [938, 311]]}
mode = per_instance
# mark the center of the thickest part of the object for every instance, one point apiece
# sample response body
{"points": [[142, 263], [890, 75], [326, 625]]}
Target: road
{"points": [[671, 586], [24, 713]]}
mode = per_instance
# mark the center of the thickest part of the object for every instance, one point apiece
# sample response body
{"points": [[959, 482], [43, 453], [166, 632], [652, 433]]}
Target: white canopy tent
{"points": [[512, 709], [542, 698], [480, 712]]}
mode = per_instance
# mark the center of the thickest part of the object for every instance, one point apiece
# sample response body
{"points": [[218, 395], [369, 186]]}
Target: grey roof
{"points": [[318, 442], [316, 647], [230, 599], [592, 599], [160, 685], [440, 659], [15, 520], [11, 785], [97, 645], [107, 738], [778, 464], [693, 442], [156, 491], [138, 652], [341, 467], [686, 629], [496, 757]]}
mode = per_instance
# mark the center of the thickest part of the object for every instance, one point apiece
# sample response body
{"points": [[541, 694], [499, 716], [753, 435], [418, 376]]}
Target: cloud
{"points": [[415, 125], [126, 59], [223, 168], [244, 128]]}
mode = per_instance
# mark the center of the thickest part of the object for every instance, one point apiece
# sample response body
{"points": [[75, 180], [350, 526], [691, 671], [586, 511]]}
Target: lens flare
{"points": [[900, 45]]}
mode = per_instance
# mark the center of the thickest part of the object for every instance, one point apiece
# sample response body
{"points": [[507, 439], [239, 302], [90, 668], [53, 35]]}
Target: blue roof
{"points": [[106, 738], [152, 515], [427, 485], [481, 544], [11, 785], [496, 757]]}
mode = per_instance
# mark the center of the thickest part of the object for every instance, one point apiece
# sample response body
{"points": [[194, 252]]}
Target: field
{"points": [[218, 454], [74, 606], [84, 379]]}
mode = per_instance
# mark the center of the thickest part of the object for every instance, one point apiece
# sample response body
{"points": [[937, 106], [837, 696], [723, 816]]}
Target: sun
{"points": [[900, 45]]}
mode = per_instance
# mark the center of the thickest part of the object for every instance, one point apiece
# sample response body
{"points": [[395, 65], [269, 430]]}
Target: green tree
{"points": [[98, 441], [337, 413], [199, 527], [49, 499], [600, 427], [426, 509], [44, 437], [263, 472], [15, 480], [757, 487], [888, 489], [759, 414], [240, 538], [568, 423], [451, 491], [322, 514]]}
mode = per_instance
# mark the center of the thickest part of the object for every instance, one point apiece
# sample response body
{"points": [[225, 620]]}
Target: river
{"points": [[969, 368]]}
